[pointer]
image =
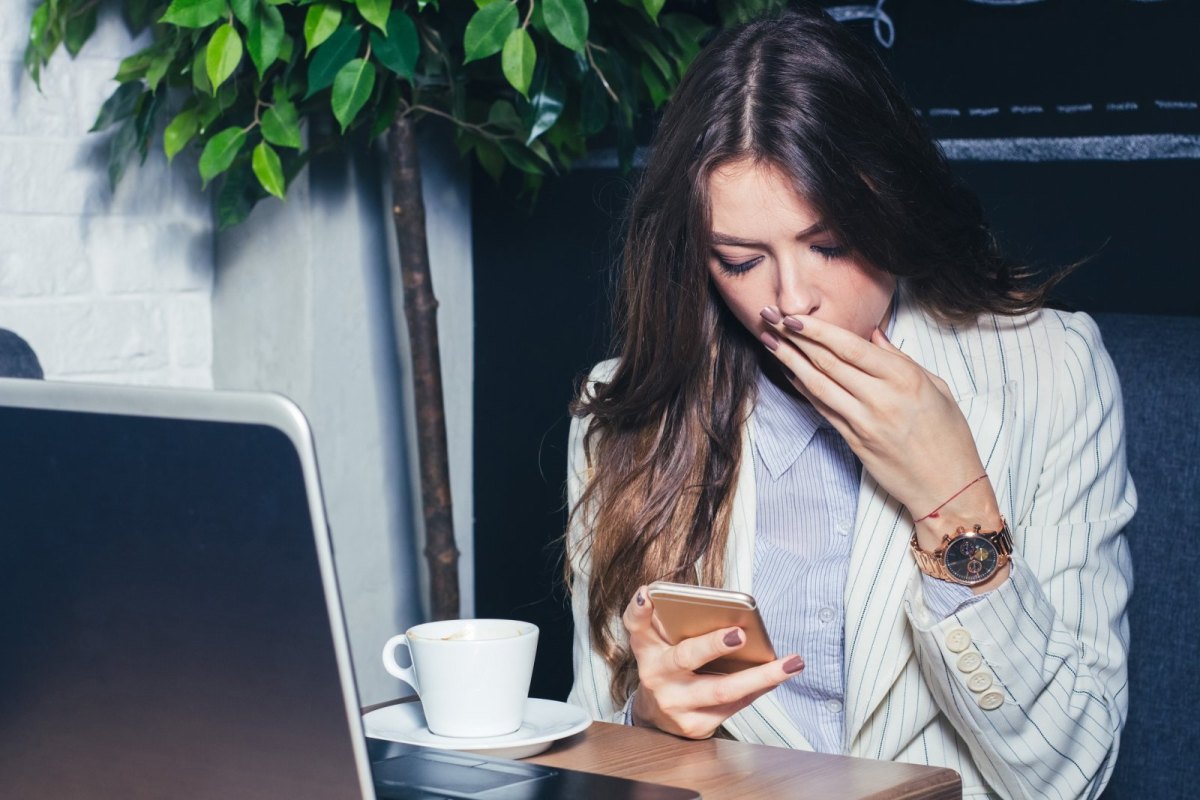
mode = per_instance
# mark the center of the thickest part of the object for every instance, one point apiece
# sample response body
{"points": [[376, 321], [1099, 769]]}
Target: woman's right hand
{"points": [[671, 696]]}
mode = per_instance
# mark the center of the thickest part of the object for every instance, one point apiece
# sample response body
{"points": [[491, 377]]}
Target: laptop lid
{"points": [[171, 620]]}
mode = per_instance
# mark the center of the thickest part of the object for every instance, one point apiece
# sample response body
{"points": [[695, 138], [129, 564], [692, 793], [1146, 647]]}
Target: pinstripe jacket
{"points": [[1038, 713]]}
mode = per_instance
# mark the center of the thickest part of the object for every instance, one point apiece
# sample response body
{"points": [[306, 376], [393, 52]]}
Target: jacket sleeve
{"points": [[590, 690], [1043, 710]]}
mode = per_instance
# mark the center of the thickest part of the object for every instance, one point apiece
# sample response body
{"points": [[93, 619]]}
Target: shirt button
{"points": [[825, 614], [958, 640], [979, 681], [991, 701], [970, 661], [843, 530], [835, 706]]}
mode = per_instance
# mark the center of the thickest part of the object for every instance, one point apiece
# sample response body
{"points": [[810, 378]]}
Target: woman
{"points": [[828, 373]]}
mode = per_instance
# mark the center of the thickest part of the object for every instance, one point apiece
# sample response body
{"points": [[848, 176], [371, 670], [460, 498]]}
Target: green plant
{"points": [[260, 85]]}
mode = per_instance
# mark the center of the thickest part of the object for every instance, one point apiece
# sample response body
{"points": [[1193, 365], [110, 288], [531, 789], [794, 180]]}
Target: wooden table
{"points": [[719, 768]]}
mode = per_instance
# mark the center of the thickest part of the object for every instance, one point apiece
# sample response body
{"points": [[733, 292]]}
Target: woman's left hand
{"points": [[899, 419]]}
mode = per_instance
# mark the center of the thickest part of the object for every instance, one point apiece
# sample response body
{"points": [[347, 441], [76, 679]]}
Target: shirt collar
{"points": [[784, 425]]}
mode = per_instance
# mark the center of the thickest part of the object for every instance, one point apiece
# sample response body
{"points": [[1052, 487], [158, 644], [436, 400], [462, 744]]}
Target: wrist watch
{"points": [[967, 556]]}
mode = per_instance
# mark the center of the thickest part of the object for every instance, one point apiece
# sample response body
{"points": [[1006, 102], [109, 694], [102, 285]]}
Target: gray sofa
{"points": [[1158, 359], [17, 359]]}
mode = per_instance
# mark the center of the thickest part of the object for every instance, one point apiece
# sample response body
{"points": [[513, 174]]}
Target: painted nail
{"points": [[641, 601], [770, 340], [771, 314], [792, 323], [793, 665], [733, 638]]}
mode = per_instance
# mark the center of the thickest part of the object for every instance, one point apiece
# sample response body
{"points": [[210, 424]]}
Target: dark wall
{"points": [[541, 275]]}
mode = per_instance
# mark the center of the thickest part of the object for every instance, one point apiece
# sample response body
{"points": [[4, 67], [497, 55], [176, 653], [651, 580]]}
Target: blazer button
{"points": [[970, 661], [991, 701], [979, 681], [958, 640]]}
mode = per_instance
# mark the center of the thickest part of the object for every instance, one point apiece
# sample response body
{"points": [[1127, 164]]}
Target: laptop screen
{"points": [[165, 629]]}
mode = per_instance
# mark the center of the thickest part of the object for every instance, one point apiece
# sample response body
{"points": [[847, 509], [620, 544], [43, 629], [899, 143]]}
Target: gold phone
{"points": [[684, 611]]}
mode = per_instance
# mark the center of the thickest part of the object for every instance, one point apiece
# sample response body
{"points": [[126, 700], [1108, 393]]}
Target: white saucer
{"points": [[546, 721]]}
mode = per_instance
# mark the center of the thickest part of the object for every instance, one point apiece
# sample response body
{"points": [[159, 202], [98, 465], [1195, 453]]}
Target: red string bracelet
{"points": [[934, 514]]}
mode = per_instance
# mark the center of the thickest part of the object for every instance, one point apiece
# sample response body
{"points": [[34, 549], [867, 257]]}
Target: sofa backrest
{"points": [[1158, 360], [17, 359]]}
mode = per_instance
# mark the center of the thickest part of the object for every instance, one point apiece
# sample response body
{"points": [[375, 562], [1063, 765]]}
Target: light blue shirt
{"points": [[808, 481]]}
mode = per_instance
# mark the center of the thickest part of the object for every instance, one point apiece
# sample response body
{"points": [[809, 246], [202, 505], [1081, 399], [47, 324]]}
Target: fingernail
{"points": [[792, 323], [641, 601], [771, 315], [770, 340], [793, 665], [733, 638]]}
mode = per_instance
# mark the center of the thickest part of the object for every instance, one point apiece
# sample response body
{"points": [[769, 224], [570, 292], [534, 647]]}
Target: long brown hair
{"points": [[802, 94]]}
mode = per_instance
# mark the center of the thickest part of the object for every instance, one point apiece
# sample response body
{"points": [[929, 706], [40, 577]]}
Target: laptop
{"points": [[171, 620]]}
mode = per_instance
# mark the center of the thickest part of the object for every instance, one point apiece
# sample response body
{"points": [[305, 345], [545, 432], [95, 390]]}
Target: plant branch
{"points": [[588, 47]]}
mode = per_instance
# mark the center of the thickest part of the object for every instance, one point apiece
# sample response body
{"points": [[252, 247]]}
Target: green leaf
{"points": [[158, 68], [330, 57], [320, 22], [120, 105], [518, 60], [491, 158], [223, 55], [546, 103], [268, 169], [137, 14], [653, 7], [593, 106], [145, 118], [220, 151], [236, 198], [199, 74], [243, 10], [123, 146], [688, 32], [520, 157], [194, 13], [656, 57], [134, 67], [568, 22], [281, 124], [351, 88], [658, 90], [422, 3], [264, 38], [374, 12], [79, 28], [180, 131], [488, 30], [399, 50], [502, 115]]}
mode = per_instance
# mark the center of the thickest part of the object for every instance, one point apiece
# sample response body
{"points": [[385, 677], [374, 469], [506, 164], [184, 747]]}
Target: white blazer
{"points": [[1041, 397]]}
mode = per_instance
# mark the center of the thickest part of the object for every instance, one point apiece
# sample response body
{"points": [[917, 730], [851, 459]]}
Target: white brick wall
{"points": [[105, 286]]}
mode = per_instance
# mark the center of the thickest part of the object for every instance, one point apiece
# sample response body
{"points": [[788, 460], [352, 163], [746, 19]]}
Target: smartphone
{"points": [[684, 611]]}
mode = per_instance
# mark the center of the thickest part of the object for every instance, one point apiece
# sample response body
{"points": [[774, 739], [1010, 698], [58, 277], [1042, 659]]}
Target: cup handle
{"points": [[406, 674]]}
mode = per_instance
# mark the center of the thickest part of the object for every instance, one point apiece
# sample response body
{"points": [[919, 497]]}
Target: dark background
{"points": [[542, 275]]}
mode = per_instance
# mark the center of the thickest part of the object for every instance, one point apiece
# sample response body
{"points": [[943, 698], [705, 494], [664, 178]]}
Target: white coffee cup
{"points": [[472, 674]]}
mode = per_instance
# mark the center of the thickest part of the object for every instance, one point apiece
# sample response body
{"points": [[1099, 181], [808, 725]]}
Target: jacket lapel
{"points": [[878, 638]]}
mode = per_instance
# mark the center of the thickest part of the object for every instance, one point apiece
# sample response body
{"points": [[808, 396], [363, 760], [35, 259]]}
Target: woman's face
{"points": [[769, 248]]}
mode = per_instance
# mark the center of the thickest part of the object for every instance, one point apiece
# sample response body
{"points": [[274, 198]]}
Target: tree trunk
{"points": [[420, 312]]}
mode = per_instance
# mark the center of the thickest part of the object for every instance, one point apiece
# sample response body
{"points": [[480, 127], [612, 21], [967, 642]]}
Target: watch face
{"points": [[972, 559]]}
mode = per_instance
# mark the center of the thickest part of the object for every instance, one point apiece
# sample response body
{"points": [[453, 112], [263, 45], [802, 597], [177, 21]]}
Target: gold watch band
{"points": [[934, 564]]}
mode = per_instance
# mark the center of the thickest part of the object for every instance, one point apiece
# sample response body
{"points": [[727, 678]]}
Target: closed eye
{"points": [[830, 252], [738, 267]]}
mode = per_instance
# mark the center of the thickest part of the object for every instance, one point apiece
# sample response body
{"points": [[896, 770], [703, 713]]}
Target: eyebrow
{"points": [[734, 241]]}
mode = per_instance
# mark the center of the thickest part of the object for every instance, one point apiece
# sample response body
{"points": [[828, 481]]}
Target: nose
{"points": [[796, 293]]}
